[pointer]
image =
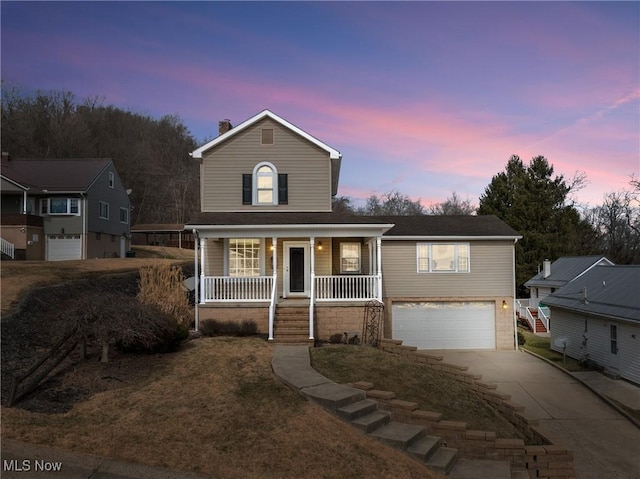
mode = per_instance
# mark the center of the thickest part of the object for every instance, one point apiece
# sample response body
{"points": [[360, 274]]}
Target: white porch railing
{"points": [[7, 248], [346, 288], [544, 314], [232, 288]]}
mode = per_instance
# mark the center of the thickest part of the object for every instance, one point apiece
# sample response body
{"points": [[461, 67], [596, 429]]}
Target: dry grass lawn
{"points": [[18, 277], [214, 408], [432, 390]]}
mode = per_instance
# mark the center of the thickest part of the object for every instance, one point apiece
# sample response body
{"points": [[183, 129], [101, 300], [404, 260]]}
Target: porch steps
{"points": [[539, 325], [291, 325]]}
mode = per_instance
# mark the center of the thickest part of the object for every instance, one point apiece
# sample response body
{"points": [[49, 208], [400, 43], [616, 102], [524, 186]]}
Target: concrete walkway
{"points": [[292, 365], [604, 442]]}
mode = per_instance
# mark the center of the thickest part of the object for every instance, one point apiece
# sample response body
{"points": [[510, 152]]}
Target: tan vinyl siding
{"points": [[214, 257], [491, 272], [307, 166]]}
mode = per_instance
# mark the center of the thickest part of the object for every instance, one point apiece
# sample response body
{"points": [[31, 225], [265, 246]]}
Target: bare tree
{"points": [[453, 206], [391, 203]]}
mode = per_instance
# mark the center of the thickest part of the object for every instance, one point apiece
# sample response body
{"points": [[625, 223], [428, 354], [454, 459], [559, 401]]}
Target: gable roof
{"points": [[611, 292], [54, 175], [565, 269], [333, 153]]}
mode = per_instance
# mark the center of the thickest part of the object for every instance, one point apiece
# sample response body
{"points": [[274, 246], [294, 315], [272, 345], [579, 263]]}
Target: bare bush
{"points": [[161, 286]]}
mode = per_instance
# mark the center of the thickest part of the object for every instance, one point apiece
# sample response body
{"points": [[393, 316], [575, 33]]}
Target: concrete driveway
{"points": [[605, 444]]}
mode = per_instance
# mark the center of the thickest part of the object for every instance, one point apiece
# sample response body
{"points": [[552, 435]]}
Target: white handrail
{"points": [[544, 314], [8, 248], [530, 319]]}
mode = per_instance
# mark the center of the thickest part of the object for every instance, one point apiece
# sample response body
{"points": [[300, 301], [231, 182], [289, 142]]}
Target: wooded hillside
{"points": [[151, 155]]}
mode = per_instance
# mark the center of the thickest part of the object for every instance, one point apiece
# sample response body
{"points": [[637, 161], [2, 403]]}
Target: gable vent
{"points": [[267, 136]]}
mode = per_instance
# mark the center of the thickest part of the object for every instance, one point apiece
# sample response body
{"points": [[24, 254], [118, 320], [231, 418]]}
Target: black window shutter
{"points": [[283, 189], [247, 179]]}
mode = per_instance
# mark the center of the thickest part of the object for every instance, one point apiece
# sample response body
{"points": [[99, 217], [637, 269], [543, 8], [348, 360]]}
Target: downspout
{"points": [[513, 309], [196, 282], [85, 220]]}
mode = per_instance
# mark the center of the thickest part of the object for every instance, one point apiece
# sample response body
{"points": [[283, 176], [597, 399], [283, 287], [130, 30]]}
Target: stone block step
{"points": [[443, 460], [398, 434], [372, 421], [519, 474], [358, 409], [333, 396], [287, 330], [424, 447]]}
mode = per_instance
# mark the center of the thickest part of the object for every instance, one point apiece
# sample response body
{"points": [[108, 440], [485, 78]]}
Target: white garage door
{"points": [[63, 247], [445, 325]]}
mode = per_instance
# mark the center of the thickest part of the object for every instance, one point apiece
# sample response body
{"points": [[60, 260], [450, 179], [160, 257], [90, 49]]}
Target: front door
{"points": [[296, 268]]}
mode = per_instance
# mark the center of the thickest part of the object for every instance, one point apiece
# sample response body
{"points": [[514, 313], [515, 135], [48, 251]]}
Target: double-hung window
{"points": [[244, 257], [265, 184], [104, 210], [349, 257], [443, 257], [124, 215]]}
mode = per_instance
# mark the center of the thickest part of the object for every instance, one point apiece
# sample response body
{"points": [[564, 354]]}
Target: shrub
{"points": [[336, 338], [215, 327], [521, 339], [161, 285]]}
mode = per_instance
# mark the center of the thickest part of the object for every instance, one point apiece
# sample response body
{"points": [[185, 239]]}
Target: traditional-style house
{"points": [[62, 209], [596, 319], [270, 249], [552, 277]]}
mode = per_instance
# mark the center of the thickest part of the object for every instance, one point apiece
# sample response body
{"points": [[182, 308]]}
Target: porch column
{"points": [[195, 285], [312, 286], [202, 254], [379, 266], [274, 290]]}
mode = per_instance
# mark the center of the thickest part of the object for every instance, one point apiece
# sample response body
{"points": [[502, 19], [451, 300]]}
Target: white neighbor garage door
{"points": [[445, 325], [63, 247]]}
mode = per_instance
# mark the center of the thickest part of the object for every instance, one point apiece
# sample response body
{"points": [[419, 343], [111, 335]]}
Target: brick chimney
{"points": [[224, 126]]}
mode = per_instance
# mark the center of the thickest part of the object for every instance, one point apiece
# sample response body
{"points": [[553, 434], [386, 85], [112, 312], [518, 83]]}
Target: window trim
{"points": [[126, 211], [456, 256], [112, 180], [100, 205], [274, 184], [342, 257], [45, 206], [227, 255]]}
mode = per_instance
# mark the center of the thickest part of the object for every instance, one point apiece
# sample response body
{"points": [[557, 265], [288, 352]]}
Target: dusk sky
{"points": [[425, 98]]}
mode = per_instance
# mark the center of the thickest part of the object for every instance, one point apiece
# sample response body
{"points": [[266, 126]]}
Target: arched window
{"points": [[265, 184]]}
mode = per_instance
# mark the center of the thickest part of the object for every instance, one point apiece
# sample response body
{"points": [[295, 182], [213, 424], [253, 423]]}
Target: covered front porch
{"points": [[268, 265]]}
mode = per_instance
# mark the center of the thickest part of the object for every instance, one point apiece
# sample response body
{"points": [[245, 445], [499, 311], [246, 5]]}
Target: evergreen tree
{"points": [[534, 201]]}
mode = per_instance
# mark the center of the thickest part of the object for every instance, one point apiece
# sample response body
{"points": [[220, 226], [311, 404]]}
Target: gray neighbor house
{"points": [[596, 319], [63, 209], [270, 249]]}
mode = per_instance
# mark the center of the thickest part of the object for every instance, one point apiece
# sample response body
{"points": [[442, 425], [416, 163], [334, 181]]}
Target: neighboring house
{"points": [[62, 209], [597, 317], [271, 250], [552, 277], [172, 235]]}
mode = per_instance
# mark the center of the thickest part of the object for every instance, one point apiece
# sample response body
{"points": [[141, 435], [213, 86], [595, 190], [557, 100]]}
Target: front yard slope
{"points": [[214, 408]]}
